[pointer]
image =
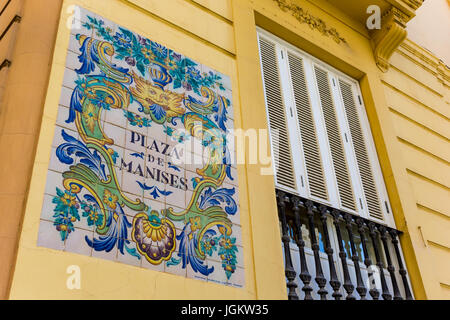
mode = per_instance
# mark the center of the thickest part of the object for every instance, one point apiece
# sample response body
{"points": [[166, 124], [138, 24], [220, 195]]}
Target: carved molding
{"points": [[393, 31], [443, 73], [315, 23], [387, 39], [427, 60]]}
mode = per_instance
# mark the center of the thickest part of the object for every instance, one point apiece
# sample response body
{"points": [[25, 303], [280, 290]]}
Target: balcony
{"points": [[331, 254]]}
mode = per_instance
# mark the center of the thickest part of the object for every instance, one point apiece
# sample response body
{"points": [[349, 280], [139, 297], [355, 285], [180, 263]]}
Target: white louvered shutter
{"points": [[340, 164], [366, 173], [281, 149], [311, 152], [325, 148]]}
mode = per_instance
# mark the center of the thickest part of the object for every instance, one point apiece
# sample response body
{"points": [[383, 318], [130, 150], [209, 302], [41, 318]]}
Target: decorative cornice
{"points": [[426, 58], [304, 17], [393, 30], [443, 73], [431, 63], [413, 4], [387, 39]]}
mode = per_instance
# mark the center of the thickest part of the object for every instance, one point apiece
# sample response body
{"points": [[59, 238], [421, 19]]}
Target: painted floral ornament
{"points": [[160, 104], [154, 237]]}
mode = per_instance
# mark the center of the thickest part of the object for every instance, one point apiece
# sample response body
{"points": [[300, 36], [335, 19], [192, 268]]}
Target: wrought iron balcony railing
{"points": [[344, 253]]}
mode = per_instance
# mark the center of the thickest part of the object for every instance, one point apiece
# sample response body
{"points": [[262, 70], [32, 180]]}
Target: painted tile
{"points": [[227, 94], [238, 235], [175, 197], [137, 123], [153, 189], [189, 197], [226, 81], [179, 221], [116, 117], [104, 254], [133, 162], [240, 256], [119, 157], [63, 114], [154, 132], [238, 281], [76, 242], [131, 183], [193, 161], [175, 266], [58, 138], [72, 61], [232, 177], [229, 207], [192, 274], [47, 208], [48, 238], [120, 186], [74, 45], [157, 206], [70, 78], [135, 141], [134, 260], [148, 265], [217, 277], [192, 178], [236, 217], [66, 96], [55, 165], [115, 133], [53, 178]]}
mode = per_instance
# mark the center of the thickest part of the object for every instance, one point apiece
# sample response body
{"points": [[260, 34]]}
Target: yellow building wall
{"points": [[222, 35], [206, 37], [23, 85], [417, 89]]}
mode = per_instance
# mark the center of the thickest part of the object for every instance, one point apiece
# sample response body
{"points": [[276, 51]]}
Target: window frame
{"points": [[309, 62]]}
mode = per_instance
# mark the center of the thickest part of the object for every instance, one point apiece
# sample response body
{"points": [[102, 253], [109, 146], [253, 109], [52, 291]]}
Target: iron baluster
{"points": [[401, 269], [292, 209], [334, 281], [289, 269], [360, 288], [391, 268], [348, 286], [320, 279], [385, 291], [367, 261], [304, 273]]}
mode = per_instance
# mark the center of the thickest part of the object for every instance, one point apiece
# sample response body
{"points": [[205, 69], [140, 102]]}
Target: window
{"points": [[320, 135]]}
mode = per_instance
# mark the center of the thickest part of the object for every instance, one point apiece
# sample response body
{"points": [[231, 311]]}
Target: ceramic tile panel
{"points": [[119, 186]]}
